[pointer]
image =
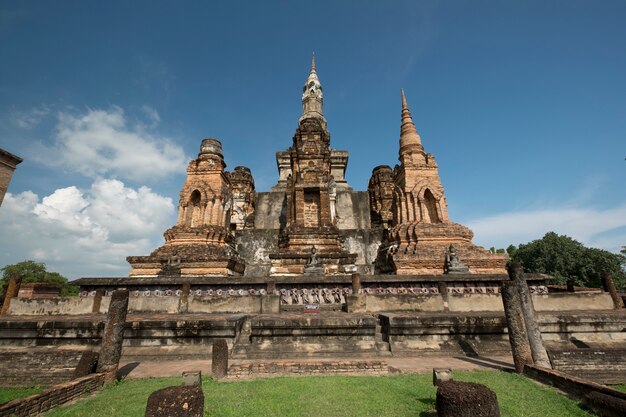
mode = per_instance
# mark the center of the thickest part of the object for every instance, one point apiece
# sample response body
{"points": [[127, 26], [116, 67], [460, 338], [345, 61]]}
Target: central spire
{"points": [[409, 138], [312, 96]]}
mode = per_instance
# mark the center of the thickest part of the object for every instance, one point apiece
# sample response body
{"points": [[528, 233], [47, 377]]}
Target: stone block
{"points": [[356, 303], [181, 401], [270, 304], [441, 375], [219, 365], [191, 378], [466, 399]]}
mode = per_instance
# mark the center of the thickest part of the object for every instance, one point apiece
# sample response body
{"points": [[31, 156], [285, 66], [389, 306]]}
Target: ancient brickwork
{"points": [[381, 191], [8, 162], [410, 201], [244, 198], [52, 397], [201, 243], [311, 192], [330, 367]]}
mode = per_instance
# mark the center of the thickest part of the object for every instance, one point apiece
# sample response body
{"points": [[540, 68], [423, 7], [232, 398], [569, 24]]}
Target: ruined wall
{"points": [[353, 222], [49, 306], [8, 162], [251, 304]]}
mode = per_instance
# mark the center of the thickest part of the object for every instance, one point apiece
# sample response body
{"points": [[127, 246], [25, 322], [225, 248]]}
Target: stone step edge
{"points": [[255, 369]]}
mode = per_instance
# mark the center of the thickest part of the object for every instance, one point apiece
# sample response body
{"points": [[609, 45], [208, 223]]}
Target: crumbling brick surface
{"points": [[466, 399], [180, 401]]}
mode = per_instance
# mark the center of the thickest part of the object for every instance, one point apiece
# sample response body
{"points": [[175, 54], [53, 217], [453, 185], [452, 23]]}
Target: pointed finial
{"points": [[408, 133], [313, 63]]}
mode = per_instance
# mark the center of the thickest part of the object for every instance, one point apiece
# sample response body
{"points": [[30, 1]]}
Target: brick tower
{"points": [[309, 188], [410, 203], [201, 242]]}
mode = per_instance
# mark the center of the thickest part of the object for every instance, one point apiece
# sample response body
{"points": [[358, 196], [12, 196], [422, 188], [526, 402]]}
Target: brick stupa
{"points": [[409, 203], [201, 243]]}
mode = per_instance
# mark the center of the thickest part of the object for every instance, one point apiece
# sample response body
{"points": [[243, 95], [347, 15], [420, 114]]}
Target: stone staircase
{"points": [[601, 365], [321, 335]]}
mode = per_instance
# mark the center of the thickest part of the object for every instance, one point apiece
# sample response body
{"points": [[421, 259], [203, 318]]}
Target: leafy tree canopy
{"points": [[31, 271], [570, 261]]}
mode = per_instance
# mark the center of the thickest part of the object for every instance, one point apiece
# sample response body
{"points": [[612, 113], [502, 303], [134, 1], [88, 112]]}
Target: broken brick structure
{"points": [[410, 203], [312, 222], [201, 242]]}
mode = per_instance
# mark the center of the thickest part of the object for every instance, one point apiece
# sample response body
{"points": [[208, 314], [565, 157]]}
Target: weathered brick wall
{"points": [[8, 163], [260, 369], [40, 367], [52, 397]]}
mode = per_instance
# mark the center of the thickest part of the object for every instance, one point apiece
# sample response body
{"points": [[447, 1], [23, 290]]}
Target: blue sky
{"points": [[522, 103]]}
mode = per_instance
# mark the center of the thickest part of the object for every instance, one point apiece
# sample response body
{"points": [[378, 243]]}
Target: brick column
{"points": [[518, 338], [540, 356], [12, 289], [113, 337], [609, 286]]}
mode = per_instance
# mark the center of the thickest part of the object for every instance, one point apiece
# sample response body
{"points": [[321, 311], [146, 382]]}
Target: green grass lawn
{"points": [[397, 396], [8, 394], [621, 387]]}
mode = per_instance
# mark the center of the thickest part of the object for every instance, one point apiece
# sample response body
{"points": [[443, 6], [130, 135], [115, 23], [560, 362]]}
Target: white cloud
{"points": [[103, 143], [84, 233], [602, 228], [30, 118]]}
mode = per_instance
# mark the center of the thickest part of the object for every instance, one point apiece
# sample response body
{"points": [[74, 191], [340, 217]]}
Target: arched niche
{"points": [[430, 203], [194, 217]]}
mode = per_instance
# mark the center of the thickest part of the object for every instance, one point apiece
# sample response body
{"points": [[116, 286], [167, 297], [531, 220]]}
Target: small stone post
{"points": [[12, 289], [540, 356], [183, 301], [97, 300], [445, 297], [219, 364], [518, 338], [111, 348], [609, 286], [271, 287], [356, 283]]}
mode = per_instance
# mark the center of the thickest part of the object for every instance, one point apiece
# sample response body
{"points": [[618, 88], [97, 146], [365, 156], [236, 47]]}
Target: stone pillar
{"points": [[12, 289], [356, 283], [97, 300], [87, 364], [540, 356], [609, 286], [183, 301], [271, 287], [219, 364], [443, 290], [111, 348], [518, 338]]}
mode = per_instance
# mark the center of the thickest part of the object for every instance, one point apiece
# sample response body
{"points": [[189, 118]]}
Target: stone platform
{"points": [[41, 341]]}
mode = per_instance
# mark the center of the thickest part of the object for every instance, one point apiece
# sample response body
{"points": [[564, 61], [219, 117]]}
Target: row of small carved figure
{"points": [[314, 295], [318, 295], [199, 293]]}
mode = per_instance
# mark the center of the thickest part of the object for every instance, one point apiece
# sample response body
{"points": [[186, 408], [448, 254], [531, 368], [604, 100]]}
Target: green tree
{"points": [[31, 271], [569, 261]]}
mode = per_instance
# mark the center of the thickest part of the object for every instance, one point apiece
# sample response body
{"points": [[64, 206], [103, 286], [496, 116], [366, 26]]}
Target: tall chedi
{"points": [[201, 243], [309, 242], [409, 203]]}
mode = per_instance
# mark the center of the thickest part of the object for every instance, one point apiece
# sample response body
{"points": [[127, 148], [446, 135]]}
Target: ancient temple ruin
{"points": [[312, 268], [312, 222]]}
